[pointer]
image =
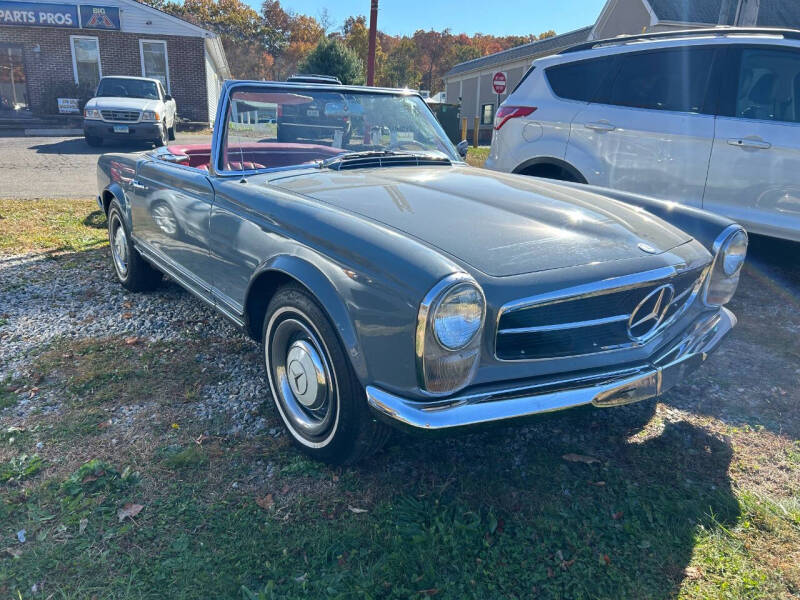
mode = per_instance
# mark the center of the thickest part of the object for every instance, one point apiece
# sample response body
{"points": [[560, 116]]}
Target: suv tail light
{"points": [[504, 113]]}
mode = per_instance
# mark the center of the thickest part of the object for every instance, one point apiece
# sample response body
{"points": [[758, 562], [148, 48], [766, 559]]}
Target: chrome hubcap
{"points": [[119, 247], [302, 376]]}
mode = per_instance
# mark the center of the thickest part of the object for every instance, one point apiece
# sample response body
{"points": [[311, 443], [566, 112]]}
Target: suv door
{"points": [[754, 174], [651, 130]]}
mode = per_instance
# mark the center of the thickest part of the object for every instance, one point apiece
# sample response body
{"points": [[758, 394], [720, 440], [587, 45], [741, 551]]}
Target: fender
{"points": [[285, 266], [551, 160]]}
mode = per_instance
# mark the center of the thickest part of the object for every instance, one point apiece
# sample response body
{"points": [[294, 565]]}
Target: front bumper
{"points": [[610, 388], [136, 131]]}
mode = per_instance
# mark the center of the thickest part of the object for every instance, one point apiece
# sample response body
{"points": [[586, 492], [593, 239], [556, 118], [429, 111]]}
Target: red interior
{"points": [[255, 155]]}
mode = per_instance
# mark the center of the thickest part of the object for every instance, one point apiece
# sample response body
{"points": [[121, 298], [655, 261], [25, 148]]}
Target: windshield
{"points": [[270, 127], [128, 88]]}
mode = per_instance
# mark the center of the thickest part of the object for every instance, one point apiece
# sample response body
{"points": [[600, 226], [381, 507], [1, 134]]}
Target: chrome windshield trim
{"points": [[563, 326]]}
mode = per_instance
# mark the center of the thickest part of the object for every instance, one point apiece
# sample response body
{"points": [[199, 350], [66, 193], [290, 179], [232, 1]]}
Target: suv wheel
{"points": [[316, 393], [93, 140]]}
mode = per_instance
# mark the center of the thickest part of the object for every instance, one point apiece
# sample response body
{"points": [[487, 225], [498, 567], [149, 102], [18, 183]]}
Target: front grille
{"points": [[595, 322], [124, 116]]}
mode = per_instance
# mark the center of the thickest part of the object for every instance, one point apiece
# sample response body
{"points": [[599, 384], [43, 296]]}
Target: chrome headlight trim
{"points": [[716, 269], [425, 328], [92, 114]]}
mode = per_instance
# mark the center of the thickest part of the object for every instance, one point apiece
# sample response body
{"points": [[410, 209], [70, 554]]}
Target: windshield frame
{"points": [[221, 122], [110, 78]]}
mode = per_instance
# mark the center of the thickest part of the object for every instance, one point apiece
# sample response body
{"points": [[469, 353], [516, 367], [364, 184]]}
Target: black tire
{"points": [[326, 414], [133, 272], [171, 133], [163, 135], [93, 141]]}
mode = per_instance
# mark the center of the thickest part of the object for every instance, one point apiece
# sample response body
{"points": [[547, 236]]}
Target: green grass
{"points": [[691, 506], [48, 224], [477, 156]]}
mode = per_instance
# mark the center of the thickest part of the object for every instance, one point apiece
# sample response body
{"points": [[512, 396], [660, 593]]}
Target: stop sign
{"points": [[499, 82]]}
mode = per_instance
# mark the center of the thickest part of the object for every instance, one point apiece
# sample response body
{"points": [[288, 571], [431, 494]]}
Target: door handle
{"points": [[138, 186], [600, 126], [749, 143]]}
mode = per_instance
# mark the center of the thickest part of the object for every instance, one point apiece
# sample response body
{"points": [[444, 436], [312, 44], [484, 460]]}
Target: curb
{"points": [[53, 132]]}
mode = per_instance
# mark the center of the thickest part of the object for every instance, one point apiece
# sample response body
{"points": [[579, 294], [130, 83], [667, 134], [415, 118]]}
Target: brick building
{"points": [[51, 50]]}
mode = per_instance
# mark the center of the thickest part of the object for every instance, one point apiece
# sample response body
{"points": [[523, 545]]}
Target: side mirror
{"points": [[462, 148], [167, 97]]}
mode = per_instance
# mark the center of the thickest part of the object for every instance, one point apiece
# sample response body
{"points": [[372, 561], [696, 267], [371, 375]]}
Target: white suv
{"points": [[709, 118]]}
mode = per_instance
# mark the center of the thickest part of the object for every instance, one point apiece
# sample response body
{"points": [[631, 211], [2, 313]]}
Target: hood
{"points": [[105, 102], [499, 224]]}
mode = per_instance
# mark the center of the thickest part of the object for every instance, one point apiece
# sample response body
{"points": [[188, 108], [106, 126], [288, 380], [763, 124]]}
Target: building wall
{"points": [[622, 17], [119, 55]]}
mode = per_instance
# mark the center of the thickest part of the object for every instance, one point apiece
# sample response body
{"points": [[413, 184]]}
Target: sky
{"points": [[505, 17]]}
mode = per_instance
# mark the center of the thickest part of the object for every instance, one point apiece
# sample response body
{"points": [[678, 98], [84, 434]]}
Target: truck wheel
{"points": [[162, 136], [133, 272], [93, 141], [316, 393], [171, 133]]}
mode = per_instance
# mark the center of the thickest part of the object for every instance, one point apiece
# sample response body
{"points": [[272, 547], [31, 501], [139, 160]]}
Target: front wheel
{"points": [[162, 136], [171, 133], [93, 140], [317, 395]]}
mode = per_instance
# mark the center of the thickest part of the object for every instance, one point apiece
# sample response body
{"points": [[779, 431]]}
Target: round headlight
{"points": [[733, 253], [458, 316]]}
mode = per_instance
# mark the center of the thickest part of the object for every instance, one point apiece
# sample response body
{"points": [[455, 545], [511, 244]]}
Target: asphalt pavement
{"points": [[59, 167]]}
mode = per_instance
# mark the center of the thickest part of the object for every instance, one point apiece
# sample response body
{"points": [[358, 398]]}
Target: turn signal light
{"points": [[504, 113]]}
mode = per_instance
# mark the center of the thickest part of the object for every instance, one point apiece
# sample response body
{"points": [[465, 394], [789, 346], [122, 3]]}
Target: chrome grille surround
{"points": [[121, 116], [592, 318]]}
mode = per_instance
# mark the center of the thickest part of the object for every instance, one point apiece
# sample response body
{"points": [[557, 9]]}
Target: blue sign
{"points": [[38, 15], [99, 17]]}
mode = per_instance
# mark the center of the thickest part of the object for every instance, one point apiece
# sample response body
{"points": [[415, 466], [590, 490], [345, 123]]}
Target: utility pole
{"points": [[373, 32]]}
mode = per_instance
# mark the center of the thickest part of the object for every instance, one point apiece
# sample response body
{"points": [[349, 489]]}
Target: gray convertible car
{"points": [[392, 284]]}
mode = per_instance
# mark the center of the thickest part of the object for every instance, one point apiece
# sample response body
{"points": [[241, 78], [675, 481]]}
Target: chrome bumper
{"points": [[613, 388]]}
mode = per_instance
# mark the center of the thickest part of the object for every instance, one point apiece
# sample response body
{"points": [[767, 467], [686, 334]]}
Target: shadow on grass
{"points": [[621, 527]]}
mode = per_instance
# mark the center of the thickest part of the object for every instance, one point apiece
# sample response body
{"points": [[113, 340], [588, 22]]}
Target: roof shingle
{"points": [[531, 50]]}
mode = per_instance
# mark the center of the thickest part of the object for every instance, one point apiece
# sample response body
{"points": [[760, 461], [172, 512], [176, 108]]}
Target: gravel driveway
{"points": [[59, 167]]}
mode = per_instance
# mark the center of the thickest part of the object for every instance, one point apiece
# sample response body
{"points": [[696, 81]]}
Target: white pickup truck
{"points": [[129, 108]]}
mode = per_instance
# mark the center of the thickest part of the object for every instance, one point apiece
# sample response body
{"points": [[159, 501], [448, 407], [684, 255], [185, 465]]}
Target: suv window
{"points": [[768, 85], [579, 80], [675, 79]]}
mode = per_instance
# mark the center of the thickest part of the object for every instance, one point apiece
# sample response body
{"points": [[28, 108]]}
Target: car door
{"points": [[754, 174], [171, 210], [650, 131]]}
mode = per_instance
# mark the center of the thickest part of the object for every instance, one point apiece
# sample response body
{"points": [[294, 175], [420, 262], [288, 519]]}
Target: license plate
{"points": [[120, 129], [312, 113]]}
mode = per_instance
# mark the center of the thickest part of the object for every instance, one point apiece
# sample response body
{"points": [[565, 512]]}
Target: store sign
{"points": [[99, 17], [58, 15], [68, 106], [35, 14]]}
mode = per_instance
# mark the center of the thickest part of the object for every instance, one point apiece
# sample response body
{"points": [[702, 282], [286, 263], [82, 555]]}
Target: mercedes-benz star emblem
{"points": [[650, 313], [298, 377]]}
